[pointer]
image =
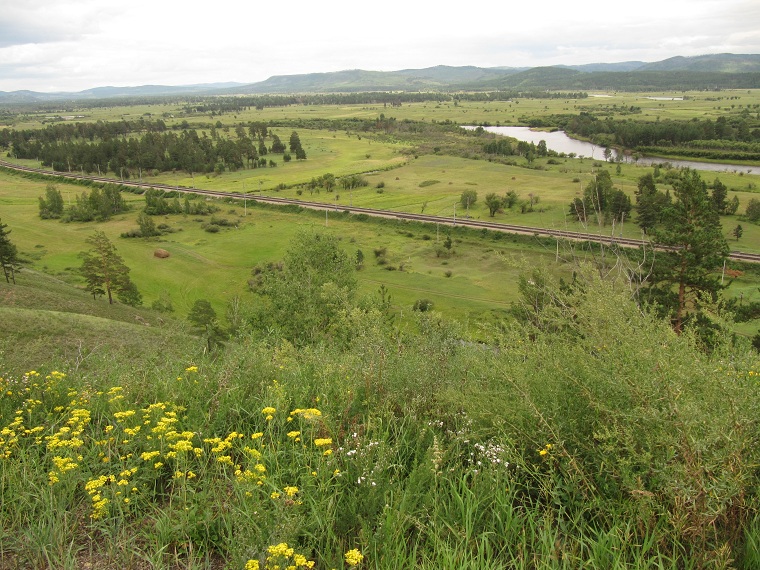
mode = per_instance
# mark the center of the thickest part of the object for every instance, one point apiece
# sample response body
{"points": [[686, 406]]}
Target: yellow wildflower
{"points": [[354, 557]]}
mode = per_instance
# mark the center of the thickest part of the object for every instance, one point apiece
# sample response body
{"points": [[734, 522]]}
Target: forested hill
{"points": [[721, 71], [715, 71]]}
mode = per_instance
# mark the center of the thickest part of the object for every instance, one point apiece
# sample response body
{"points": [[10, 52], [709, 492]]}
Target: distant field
{"points": [[683, 106], [335, 152]]}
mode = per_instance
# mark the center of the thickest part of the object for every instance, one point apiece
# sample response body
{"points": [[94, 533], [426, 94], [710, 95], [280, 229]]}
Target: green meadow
{"points": [[217, 266]]}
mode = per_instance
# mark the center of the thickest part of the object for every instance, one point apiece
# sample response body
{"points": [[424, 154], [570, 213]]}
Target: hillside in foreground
{"points": [[585, 431], [46, 321]]}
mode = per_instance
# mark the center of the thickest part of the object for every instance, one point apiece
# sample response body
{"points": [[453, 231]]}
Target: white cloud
{"points": [[72, 45]]}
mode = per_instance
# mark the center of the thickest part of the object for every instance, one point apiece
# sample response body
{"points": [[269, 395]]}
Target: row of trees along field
{"points": [[101, 149]]}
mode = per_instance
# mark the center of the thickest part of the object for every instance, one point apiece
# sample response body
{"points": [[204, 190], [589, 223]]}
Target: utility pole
{"points": [[245, 204]]}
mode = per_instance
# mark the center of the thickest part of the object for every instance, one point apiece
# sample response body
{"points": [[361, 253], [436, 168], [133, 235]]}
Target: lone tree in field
{"points": [[691, 228], [202, 314], [51, 206], [650, 203], [8, 255], [494, 203], [295, 141], [468, 198], [105, 272]]}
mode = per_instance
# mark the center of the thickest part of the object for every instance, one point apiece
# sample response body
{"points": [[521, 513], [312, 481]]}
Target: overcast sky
{"points": [[72, 45]]}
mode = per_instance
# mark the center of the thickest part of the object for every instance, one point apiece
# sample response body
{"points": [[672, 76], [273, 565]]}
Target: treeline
{"points": [[223, 147], [160, 203], [65, 132], [640, 81], [503, 146], [158, 151], [601, 201], [221, 105], [694, 149], [604, 204]]}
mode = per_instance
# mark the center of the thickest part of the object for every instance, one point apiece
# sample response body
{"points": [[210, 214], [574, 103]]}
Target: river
{"points": [[558, 141]]}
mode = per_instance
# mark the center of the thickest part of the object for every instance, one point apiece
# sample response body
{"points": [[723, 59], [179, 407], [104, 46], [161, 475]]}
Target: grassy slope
{"points": [[217, 266], [46, 321]]}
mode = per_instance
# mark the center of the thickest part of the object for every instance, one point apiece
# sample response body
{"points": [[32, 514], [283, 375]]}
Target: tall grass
{"points": [[605, 443]]}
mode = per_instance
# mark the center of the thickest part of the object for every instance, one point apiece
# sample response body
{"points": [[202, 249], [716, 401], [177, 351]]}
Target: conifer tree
{"points": [[8, 255], [691, 230], [105, 272]]}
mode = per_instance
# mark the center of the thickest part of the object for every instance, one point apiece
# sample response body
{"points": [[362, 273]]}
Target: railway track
{"points": [[465, 222]]}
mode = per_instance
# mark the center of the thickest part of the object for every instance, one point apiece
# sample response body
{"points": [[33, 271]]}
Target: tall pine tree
{"points": [[692, 232]]}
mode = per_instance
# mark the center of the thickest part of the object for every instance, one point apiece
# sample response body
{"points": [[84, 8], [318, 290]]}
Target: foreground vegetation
{"points": [[587, 435]]}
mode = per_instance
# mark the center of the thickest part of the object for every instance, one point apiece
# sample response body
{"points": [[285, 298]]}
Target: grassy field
{"points": [[433, 184], [218, 266]]}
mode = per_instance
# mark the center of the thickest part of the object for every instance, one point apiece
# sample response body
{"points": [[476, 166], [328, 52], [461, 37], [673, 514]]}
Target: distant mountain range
{"points": [[698, 72]]}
